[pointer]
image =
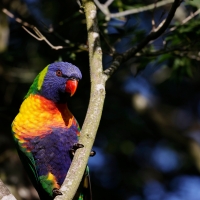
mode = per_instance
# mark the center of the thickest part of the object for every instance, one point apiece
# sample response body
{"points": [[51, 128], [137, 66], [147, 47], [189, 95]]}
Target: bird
{"points": [[46, 133]]}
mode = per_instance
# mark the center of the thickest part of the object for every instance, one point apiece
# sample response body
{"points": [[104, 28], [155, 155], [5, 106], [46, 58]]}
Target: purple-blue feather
{"points": [[48, 153], [51, 153], [53, 87]]}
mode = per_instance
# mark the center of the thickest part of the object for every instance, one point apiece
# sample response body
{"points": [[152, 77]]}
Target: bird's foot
{"points": [[75, 147], [56, 192], [92, 153], [78, 146]]}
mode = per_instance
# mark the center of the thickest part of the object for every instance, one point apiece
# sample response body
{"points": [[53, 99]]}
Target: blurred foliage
{"points": [[148, 140]]}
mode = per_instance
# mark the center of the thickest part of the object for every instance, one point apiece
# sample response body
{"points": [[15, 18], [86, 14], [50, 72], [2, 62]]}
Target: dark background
{"points": [[148, 140]]}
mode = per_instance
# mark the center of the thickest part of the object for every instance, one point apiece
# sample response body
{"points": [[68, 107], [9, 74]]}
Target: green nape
{"points": [[37, 83]]}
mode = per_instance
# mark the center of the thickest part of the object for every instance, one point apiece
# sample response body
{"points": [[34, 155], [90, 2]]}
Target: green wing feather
{"points": [[28, 162], [84, 192], [30, 166]]}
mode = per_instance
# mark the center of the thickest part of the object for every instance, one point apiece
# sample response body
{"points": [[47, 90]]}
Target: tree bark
{"points": [[5, 193], [94, 112]]}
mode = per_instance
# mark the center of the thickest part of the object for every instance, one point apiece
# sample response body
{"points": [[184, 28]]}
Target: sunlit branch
{"points": [[18, 20], [153, 20], [94, 112], [141, 9], [40, 37], [104, 9], [153, 23], [159, 26], [108, 2], [187, 19], [152, 36]]}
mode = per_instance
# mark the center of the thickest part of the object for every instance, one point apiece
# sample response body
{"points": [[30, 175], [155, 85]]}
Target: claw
{"points": [[92, 153], [56, 192], [75, 147]]}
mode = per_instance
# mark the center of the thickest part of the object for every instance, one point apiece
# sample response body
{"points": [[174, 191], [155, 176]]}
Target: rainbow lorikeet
{"points": [[45, 131]]}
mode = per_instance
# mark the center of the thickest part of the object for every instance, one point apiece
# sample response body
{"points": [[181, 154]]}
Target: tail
{"points": [[84, 191]]}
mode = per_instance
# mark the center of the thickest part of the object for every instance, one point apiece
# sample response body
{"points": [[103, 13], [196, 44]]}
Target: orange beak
{"points": [[71, 86]]}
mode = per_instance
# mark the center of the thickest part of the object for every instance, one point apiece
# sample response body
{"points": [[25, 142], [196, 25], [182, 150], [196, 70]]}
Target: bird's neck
{"points": [[41, 105], [38, 115]]}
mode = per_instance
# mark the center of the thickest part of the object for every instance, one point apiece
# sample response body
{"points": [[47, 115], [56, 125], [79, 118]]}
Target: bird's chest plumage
{"points": [[48, 131], [52, 152]]}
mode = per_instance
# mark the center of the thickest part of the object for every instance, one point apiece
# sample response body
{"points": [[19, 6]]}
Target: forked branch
{"points": [[41, 37], [152, 36], [94, 112], [104, 8], [38, 35]]}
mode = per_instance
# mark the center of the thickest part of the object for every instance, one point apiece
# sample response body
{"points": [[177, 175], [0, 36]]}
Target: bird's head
{"points": [[56, 81]]}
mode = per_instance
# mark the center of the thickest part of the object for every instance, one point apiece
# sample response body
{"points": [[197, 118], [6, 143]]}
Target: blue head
{"points": [[56, 81]]}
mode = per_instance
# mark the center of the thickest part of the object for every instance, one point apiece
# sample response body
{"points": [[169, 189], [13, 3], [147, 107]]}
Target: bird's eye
{"points": [[58, 73]]}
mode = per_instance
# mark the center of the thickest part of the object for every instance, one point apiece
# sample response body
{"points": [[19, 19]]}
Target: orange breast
{"points": [[37, 116]]}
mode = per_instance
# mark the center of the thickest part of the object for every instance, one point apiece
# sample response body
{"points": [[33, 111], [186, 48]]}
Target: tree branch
{"points": [[95, 108], [152, 36], [5, 193], [41, 37], [38, 35], [187, 19], [97, 94], [17, 19], [108, 2], [104, 9]]}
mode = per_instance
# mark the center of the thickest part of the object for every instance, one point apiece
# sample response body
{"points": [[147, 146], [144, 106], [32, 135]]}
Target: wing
{"points": [[76, 124], [43, 184], [28, 161]]}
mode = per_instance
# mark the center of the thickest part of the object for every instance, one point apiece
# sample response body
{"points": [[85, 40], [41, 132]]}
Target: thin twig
{"points": [[187, 19], [152, 36], [153, 20], [160, 25], [18, 20], [38, 35], [104, 9], [141, 9], [108, 2], [41, 37]]}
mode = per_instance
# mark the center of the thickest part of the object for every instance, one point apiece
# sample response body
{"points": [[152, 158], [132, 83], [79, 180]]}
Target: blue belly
{"points": [[51, 153]]}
